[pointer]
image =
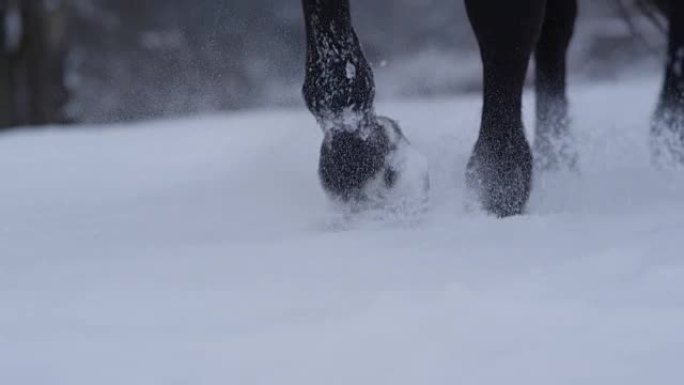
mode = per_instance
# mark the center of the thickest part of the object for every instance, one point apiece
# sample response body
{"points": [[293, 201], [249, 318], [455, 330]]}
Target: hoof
{"points": [[556, 153], [667, 140], [377, 168], [499, 174]]}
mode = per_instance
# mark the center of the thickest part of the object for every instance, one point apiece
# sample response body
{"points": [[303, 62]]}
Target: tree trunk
{"points": [[6, 78], [32, 62]]}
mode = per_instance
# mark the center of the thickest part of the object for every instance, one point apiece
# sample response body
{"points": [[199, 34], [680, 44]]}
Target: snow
{"points": [[203, 251], [350, 70]]}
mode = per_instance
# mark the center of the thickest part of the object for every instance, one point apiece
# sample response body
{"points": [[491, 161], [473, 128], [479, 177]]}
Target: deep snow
{"points": [[203, 251]]}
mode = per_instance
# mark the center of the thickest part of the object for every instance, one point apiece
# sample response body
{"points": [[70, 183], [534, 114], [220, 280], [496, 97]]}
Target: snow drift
{"points": [[203, 251]]}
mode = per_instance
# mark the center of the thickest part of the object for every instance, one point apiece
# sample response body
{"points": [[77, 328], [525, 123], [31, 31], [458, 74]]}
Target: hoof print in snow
{"points": [[499, 175], [373, 165]]}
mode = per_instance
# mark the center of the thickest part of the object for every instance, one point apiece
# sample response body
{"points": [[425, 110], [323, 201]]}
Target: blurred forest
{"points": [[117, 60]]}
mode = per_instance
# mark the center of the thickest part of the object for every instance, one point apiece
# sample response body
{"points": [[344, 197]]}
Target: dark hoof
{"points": [[500, 174], [372, 165], [348, 161], [667, 139]]}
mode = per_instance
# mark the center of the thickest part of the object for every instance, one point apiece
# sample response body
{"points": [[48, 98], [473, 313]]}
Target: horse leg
{"points": [[667, 129], [359, 155], [553, 144], [500, 168]]}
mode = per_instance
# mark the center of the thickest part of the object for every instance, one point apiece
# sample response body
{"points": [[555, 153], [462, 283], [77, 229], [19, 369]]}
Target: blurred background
{"points": [[101, 61]]}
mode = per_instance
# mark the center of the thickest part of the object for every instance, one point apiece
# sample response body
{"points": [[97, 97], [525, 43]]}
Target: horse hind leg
{"points": [[667, 127], [554, 147], [499, 172], [363, 156]]}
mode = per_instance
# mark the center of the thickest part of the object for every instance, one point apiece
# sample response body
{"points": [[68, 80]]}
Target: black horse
{"points": [[361, 155]]}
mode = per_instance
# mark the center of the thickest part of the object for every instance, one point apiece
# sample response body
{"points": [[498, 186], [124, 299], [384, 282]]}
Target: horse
{"points": [[363, 155]]}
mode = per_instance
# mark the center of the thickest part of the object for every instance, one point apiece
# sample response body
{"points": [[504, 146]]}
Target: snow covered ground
{"points": [[203, 251]]}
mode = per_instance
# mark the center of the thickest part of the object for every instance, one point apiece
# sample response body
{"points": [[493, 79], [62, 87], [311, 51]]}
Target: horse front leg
{"points": [[500, 168], [554, 146], [667, 128], [363, 156]]}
